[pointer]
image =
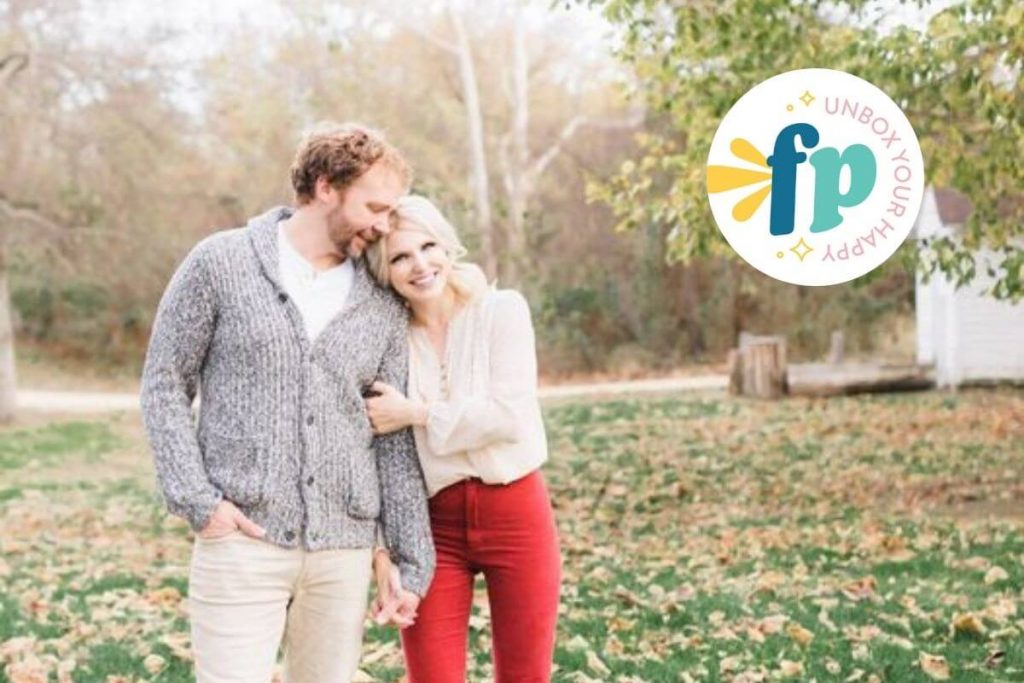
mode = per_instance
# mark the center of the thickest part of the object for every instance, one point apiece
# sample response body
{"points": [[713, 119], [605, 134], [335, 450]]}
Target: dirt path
{"points": [[103, 402], [641, 386], [76, 401]]}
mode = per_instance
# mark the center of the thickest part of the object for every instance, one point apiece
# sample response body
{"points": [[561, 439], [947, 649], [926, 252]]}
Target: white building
{"points": [[968, 336]]}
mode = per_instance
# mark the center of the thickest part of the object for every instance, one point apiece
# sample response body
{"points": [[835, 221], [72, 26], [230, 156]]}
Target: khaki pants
{"points": [[245, 594]]}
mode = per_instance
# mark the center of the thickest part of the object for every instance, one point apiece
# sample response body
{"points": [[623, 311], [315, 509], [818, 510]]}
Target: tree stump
{"points": [[758, 367]]}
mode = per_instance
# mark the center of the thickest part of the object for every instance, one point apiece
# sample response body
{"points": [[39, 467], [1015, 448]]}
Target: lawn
{"points": [[705, 538]]}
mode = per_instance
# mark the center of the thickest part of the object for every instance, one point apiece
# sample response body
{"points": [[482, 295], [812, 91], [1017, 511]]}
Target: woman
{"points": [[472, 404]]}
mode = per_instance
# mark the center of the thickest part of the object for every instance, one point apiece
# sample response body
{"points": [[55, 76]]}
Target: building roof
{"points": [[953, 206]]}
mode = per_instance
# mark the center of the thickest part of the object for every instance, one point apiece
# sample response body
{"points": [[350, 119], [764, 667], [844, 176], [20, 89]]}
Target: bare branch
{"points": [[51, 251], [541, 163], [433, 40], [27, 213], [12, 65], [426, 35], [504, 144]]}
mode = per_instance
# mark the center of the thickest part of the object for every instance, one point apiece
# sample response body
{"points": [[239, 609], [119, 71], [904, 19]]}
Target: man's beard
{"points": [[341, 235], [356, 246]]}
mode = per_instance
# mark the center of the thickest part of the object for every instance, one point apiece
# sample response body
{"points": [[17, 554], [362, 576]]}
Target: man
{"points": [[282, 327]]}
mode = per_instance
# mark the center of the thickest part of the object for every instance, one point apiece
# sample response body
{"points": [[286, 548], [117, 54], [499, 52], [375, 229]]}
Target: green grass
{"points": [[697, 534], [47, 445]]}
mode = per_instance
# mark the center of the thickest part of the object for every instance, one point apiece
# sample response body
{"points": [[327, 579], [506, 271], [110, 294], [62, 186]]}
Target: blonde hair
{"points": [[415, 212]]}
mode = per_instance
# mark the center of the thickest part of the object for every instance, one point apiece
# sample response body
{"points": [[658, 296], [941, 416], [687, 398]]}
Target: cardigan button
{"points": [[289, 535], [282, 297]]}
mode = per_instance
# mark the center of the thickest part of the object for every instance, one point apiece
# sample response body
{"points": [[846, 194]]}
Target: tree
{"points": [[521, 168], [96, 168], [957, 80], [505, 54], [10, 66], [461, 49]]}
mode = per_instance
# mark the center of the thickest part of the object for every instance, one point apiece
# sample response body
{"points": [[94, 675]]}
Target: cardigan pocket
{"points": [[363, 488], [237, 466]]}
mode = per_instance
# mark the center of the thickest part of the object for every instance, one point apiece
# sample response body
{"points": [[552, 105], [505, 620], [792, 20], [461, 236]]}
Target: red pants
{"points": [[508, 533]]}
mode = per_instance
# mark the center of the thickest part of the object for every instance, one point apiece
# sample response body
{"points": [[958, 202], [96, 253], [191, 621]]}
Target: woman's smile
{"points": [[426, 280]]}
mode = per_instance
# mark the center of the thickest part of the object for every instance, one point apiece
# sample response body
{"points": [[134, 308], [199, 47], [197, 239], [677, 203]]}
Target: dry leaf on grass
{"points": [[935, 666], [968, 623], [801, 635], [595, 664], [791, 669], [995, 575]]}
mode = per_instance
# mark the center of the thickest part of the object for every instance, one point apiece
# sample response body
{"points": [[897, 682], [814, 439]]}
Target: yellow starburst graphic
{"points": [[725, 178]]}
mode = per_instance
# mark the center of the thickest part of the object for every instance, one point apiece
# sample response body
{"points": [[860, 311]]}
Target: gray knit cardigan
{"points": [[282, 430]]}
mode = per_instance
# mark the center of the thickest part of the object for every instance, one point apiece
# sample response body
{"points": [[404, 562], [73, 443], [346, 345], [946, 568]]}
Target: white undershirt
{"points": [[319, 295]]}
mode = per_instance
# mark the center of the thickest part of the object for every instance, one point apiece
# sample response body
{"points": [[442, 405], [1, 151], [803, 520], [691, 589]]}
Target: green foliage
{"points": [[53, 442], [576, 326], [957, 80]]}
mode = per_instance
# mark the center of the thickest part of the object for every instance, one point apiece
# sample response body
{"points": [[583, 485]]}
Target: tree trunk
{"points": [[10, 66], [8, 380], [517, 180], [479, 182], [691, 311], [735, 270]]}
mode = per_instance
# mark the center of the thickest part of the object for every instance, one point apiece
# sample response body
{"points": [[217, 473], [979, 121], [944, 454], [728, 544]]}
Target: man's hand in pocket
{"points": [[227, 518]]}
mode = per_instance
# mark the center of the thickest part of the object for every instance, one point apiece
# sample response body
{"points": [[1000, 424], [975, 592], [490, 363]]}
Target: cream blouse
{"points": [[484, 419]]}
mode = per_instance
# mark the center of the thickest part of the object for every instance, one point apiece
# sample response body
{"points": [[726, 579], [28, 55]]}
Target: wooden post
{"points": [[735, 371], [835, 350], [758, 367]]}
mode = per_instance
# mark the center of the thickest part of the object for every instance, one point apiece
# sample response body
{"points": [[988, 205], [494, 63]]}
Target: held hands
{"points": [[390, 410], [393, 604], [227, 518]]}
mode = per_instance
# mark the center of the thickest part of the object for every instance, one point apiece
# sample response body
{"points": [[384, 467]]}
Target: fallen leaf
{"points": [[801, 635], [595, 664], [861, 589], [29, 670], [995, 659], [577, 644], [729, 664], [380, 653], [154, 664], [791, 669], [995, 575], [968, 623], [935, 666]]}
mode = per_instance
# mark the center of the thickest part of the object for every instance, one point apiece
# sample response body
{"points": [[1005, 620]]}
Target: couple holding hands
{"points": [[368, 410]]}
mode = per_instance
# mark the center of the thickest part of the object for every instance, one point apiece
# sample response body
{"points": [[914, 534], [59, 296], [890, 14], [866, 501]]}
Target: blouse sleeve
{"points": [[472, 422]]}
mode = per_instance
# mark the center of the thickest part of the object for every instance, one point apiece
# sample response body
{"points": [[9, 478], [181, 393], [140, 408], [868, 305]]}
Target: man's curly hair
{"points": [[341, 153]]}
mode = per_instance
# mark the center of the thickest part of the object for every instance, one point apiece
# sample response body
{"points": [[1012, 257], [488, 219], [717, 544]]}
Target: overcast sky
{"points": [[197, 27], [199, 24]]}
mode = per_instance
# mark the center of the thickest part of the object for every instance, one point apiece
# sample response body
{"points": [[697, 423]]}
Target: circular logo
{"points": [[815, 177]]}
